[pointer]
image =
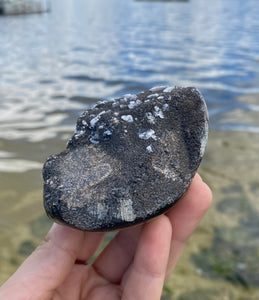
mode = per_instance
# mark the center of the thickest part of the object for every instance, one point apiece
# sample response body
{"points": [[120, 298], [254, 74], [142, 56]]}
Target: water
{"points": [[53, 66]]}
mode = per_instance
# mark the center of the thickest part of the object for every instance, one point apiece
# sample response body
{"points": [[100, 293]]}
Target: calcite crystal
{"points": [[130, 159]]}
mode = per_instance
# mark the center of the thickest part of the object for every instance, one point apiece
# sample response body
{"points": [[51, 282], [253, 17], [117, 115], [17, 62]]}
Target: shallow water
{"points": [[53, 66]]}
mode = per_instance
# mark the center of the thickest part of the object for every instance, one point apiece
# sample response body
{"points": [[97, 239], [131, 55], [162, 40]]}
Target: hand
{"points": [[134, 265]]}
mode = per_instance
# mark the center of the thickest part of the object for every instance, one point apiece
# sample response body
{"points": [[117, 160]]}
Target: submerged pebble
{"points": [[123, 170]]}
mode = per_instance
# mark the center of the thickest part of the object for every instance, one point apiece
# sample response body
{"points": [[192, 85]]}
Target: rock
{"points": [[129, 160]]}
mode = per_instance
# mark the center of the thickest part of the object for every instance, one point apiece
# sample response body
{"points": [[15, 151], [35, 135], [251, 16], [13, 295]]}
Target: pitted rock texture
{"points": [[130, 159]]}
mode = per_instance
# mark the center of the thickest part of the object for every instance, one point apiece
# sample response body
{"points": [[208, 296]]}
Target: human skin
{"points": [[134, 265]]}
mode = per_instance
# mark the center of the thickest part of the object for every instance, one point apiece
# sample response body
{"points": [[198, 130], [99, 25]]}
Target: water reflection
{"points": [[18, 165], [162, 0]]}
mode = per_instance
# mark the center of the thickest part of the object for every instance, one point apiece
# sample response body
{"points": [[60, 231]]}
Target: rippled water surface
{"points": [[53, 66]]}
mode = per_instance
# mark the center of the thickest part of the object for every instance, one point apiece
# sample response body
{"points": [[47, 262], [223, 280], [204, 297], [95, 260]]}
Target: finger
{"points": [[91, 242], [185, 216], [146, 276], [117, 256], [48, 266]]}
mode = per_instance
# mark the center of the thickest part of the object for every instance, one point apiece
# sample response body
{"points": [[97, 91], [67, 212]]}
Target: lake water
{"points": [[53, 66]]}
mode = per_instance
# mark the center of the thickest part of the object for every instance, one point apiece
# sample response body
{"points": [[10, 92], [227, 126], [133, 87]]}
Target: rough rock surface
{"points": [[129, 160]]}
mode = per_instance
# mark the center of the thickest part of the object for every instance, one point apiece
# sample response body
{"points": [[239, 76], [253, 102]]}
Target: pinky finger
{"points": [[185, 217]]}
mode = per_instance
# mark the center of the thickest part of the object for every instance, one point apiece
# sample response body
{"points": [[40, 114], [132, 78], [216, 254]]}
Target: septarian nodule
{"points": [[129, 160]]}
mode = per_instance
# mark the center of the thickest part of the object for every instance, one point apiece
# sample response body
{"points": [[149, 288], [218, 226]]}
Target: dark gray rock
{"points": [[129, 160]]}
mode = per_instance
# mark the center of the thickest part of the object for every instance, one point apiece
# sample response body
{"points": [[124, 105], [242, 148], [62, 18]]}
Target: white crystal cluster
{"points": [[129, 102]]}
